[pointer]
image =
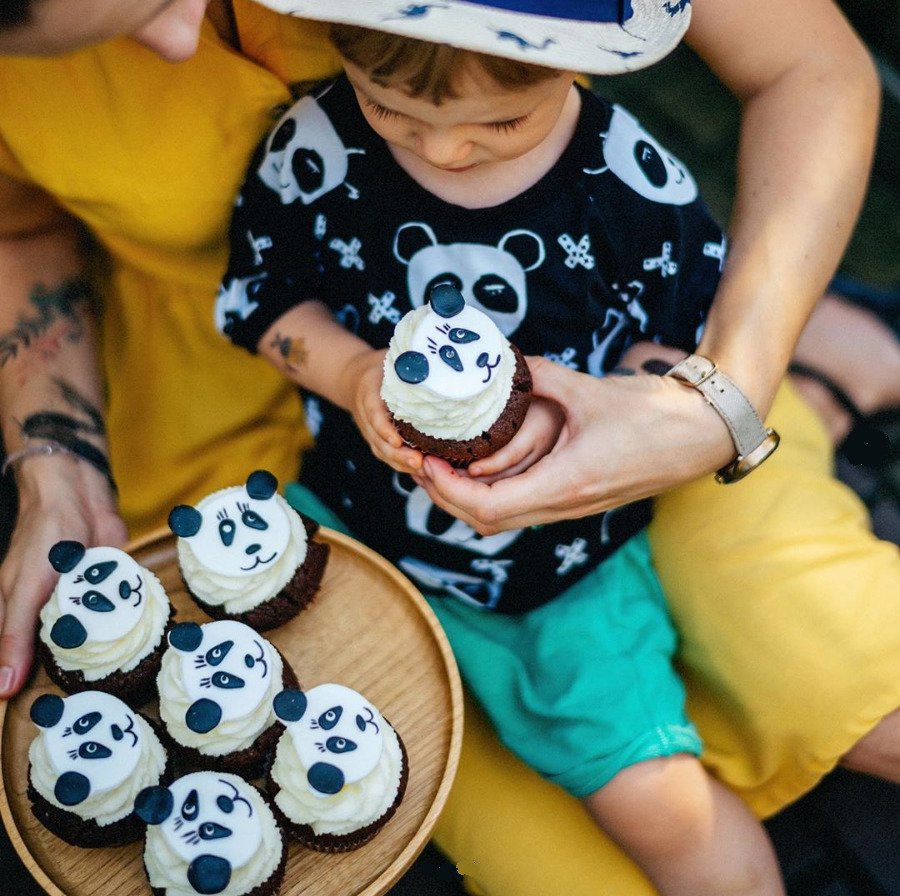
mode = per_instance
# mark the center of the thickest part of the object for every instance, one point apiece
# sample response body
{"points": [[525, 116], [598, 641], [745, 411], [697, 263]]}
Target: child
{"points": [[558, 216]]}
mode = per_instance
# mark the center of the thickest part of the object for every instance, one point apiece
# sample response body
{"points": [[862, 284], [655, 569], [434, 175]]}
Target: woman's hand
{"points": [[59, 498], [624, 438]]}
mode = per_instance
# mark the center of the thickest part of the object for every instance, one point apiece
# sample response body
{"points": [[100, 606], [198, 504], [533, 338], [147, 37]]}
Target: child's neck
{"points": [[493, 183]]}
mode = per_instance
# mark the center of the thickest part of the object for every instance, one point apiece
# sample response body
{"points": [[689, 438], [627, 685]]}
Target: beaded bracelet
{"points": [[50, 446]]}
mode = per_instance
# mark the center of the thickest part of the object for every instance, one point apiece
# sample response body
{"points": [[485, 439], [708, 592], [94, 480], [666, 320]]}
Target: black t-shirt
{"points": [[613, 245]]}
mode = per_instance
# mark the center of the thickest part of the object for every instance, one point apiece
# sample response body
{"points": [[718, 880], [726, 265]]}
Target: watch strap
{"points": [[752, 440]]}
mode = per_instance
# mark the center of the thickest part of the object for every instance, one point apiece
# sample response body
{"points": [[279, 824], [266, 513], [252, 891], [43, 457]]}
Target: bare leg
{"points": [[878, 753], [691, 835]]}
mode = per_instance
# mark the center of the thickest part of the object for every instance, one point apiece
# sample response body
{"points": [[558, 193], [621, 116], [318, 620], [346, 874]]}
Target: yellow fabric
{"points": [[790, 653], [149, 155]]}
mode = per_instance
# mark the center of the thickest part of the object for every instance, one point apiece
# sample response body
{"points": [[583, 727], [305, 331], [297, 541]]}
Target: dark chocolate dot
{"points": [[68, 632], [446, 300], [47, 710], [325, 778], [261, 485], [203, 715], [186, 636], [412, 367], [66, 555], [185, 521], [209, 874], [154, 804], [289, 705], [72, 788]]}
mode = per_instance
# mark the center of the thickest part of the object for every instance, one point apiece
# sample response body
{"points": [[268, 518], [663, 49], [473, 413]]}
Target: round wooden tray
{"points": [[369, 629]]}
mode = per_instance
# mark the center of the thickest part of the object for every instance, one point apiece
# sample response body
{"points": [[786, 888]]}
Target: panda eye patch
{"points": [[215, 655], [190, 808], [252, 519], [226, 681], [94, 600], [330, 717], [339, 745], [450, 357], [92, 750], [100, 571], [86, 722], [461, 336], [226, 532]]}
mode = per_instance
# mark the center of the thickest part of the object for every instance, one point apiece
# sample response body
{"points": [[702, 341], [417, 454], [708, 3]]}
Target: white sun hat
{"points": [[603, 37]]}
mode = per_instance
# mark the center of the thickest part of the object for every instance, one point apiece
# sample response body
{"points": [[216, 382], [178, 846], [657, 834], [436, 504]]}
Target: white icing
{"points": [[252, 844], [227, 575], [117, 640], [355, 806], [186, 677], [450, 404], [137, 758]]}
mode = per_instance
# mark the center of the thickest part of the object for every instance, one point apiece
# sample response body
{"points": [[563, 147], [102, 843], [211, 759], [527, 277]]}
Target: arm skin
{"points": [[810, 99], [48, 363]]}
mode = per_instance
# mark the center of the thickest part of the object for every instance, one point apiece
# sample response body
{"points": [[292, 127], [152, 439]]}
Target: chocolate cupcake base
{"points": [[461, 453], [294, 597]]}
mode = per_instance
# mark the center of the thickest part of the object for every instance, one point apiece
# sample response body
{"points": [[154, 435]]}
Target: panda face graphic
{"points": [[645, 166], [225, 670], [236, 301], [491, 278], [209, 821], [305, 157], [92, 739], [455, 349], [237, 531], [100, 593], [337, 733]]}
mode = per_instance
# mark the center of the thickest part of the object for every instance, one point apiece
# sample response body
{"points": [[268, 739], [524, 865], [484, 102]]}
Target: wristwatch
{"points": [[753, 441]]}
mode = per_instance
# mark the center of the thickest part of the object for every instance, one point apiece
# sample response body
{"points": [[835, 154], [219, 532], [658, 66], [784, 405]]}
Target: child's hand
{"points": [[364, 375], [536, 437]]}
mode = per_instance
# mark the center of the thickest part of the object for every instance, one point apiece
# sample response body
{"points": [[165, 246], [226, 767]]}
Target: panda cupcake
{"points": [[91, 758], [456, 388], [103, 627], [211, 832], [245, 554], [216, 687], [340, 769]]}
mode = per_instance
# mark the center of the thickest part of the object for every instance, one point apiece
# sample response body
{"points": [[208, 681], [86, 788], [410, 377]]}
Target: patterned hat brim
{"points": [[603, 48]]}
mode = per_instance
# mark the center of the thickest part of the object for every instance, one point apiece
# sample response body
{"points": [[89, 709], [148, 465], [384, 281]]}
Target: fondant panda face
{"points": [[455, 349], [645, 166], [208, 821], [225, 670], [237, 531], [305, 157], [491, 278], [92, 739], [337, 733], [100, 594]]}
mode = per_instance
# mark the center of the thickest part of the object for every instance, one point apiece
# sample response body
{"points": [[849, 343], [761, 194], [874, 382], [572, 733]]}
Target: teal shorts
{"points": [[580, 687]]}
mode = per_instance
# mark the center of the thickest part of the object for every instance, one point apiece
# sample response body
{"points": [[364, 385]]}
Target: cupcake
{"points": [[340, 769], [245, 554], [211, 832], [103, 627], [92, 756], [216, 687], [455, 387]]}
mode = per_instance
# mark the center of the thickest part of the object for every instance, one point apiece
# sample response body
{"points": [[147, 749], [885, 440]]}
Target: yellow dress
{"points": [[788, 607]]}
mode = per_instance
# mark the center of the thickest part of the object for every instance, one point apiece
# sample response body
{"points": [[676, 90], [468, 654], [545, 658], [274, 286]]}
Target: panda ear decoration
{"points": [[154, 804], [325, 778], [289, 705], [412, 367], [186, 636], [261, 485], [446, 300], [68, 632], [66, 555], [47, 710], [72, 788], [185, 520]]}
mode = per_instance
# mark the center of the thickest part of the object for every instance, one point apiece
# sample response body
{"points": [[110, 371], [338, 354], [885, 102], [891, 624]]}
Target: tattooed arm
{"points": [[50, 394]]}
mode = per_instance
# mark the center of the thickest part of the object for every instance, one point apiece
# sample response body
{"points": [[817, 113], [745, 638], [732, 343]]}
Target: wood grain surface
{"points": [[369, 629]]}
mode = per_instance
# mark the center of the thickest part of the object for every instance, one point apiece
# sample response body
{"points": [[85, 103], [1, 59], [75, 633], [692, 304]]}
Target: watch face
{"points": [[743, 466]]}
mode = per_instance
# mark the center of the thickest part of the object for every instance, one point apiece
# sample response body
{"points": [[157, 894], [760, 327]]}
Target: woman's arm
{"points": [[50, 394]]}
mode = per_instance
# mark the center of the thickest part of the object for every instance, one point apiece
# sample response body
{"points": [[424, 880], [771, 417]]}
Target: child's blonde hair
{"points": [[425, 69]]}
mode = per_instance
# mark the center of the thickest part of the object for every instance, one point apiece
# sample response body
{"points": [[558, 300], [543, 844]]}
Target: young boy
{"points": [[558, 216]]}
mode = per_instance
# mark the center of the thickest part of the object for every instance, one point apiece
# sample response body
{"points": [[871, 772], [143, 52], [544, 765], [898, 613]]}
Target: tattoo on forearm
{"points": [[62, 304], [292, 351]]}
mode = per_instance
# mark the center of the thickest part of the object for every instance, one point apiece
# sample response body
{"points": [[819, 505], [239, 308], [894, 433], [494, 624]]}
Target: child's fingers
{"points": [[511, 454]]}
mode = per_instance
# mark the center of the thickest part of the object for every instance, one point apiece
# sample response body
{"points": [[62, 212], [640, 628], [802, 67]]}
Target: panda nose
{"points": [[252, 549]]}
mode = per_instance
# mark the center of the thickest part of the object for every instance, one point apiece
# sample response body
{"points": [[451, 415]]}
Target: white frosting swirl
{"points": [[167, 870], [109, 647], [441, 415], [103, 805], [240, 724], [355, 806], [242, 592]]}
